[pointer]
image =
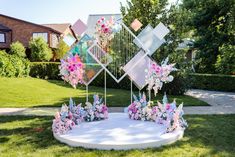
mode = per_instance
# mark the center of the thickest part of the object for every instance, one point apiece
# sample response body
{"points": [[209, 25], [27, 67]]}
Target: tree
{"points": [[18, 49], [62, 49], [213, 21], [40, 50], [225, 63]]}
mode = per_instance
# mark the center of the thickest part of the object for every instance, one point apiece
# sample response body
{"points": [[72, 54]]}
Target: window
{"points": [[2, 38], [54, 40], [43, 35]]}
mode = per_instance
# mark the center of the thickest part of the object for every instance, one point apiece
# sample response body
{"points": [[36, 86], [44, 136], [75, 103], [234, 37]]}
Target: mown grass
{"points": [[207, 135], [33, 92]]}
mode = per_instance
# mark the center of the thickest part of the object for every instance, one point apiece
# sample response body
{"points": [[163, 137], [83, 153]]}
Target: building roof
{"points": [[4, 28], [30, 23], [92, 19], [58, 27]]}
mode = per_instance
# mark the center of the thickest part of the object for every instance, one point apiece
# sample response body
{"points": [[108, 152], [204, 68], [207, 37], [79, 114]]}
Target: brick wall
{"points": [[23, 31]]}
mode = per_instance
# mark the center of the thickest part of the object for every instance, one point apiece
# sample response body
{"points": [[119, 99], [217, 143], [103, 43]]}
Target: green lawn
{"points": [[32, 92], [207, 135]]}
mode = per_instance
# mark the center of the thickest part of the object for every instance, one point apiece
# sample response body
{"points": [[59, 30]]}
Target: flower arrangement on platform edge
{"points": [[159, 74], [63, 121], [73, 115], [166, 114], [96, 111], [72, 69]]}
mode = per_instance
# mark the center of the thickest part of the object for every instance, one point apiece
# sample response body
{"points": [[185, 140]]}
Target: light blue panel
{"points": [[149, 40]]}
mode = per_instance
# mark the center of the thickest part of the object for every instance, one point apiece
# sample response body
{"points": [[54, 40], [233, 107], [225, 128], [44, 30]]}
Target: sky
{"points": [[58, 11]]}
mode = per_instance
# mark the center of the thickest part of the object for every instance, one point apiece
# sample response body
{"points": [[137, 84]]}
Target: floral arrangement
{"points": [[166, 114], [76, 111], [105, 30], [159, 74], [71, 69], [63, 121], [73, 115], [96, 111]]}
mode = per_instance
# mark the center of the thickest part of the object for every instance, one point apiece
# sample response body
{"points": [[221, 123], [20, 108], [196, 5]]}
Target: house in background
{"points": [[63, 28], [13, 29]]}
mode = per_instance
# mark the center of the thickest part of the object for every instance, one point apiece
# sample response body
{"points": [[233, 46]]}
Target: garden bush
{"points": [[217, 82], [18, 49], [40, 50], [13, 65], [45, 70], [62, 49], [225, 63]]}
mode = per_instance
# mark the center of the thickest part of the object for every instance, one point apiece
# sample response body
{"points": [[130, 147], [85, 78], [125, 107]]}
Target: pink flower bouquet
{"points": [[71, 70]]}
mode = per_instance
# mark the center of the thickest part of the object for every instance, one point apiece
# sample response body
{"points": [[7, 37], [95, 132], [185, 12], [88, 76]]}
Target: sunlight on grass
{"points": [[207, 135], [32, 92]]}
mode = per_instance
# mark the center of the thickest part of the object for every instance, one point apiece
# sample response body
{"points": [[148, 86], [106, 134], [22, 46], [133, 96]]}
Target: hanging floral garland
{"points": [[159, 74], [105, 30]]}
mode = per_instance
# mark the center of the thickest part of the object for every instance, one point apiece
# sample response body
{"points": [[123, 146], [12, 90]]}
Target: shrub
{"points": [[225, 63], [40, 50], [18, 49], [62, 49], [214, 82], [45, 70], [13, 65]]}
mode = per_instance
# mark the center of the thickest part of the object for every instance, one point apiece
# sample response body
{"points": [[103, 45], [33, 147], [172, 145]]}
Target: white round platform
{"points": [[119, 133]]}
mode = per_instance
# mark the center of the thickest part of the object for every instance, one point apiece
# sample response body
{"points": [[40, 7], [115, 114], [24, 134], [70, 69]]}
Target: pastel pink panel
{"points": [[79, 27], [136, 25]]}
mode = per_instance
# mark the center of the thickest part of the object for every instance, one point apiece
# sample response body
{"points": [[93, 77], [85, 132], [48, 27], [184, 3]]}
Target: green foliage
{"points": [[13, 65], [39, 50], [62, 49], [17, 48], [214, 82], [225, 63], [213, 22], [45, 70]]}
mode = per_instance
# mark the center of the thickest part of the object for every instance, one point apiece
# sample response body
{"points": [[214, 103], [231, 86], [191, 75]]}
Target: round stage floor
{"points": [[119, 133]]}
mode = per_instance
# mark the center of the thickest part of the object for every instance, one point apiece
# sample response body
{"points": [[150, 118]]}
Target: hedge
{"points": [[50, 70], [216, 82], [45, 70]]}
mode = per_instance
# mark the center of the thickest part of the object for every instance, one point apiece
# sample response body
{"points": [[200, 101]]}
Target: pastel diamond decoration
{"points": [[92, 67], [136, 25], [149, 40], [79, 27], [100, 55], [121, 50], [137, 74], [160, 31], [69, 40]]}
